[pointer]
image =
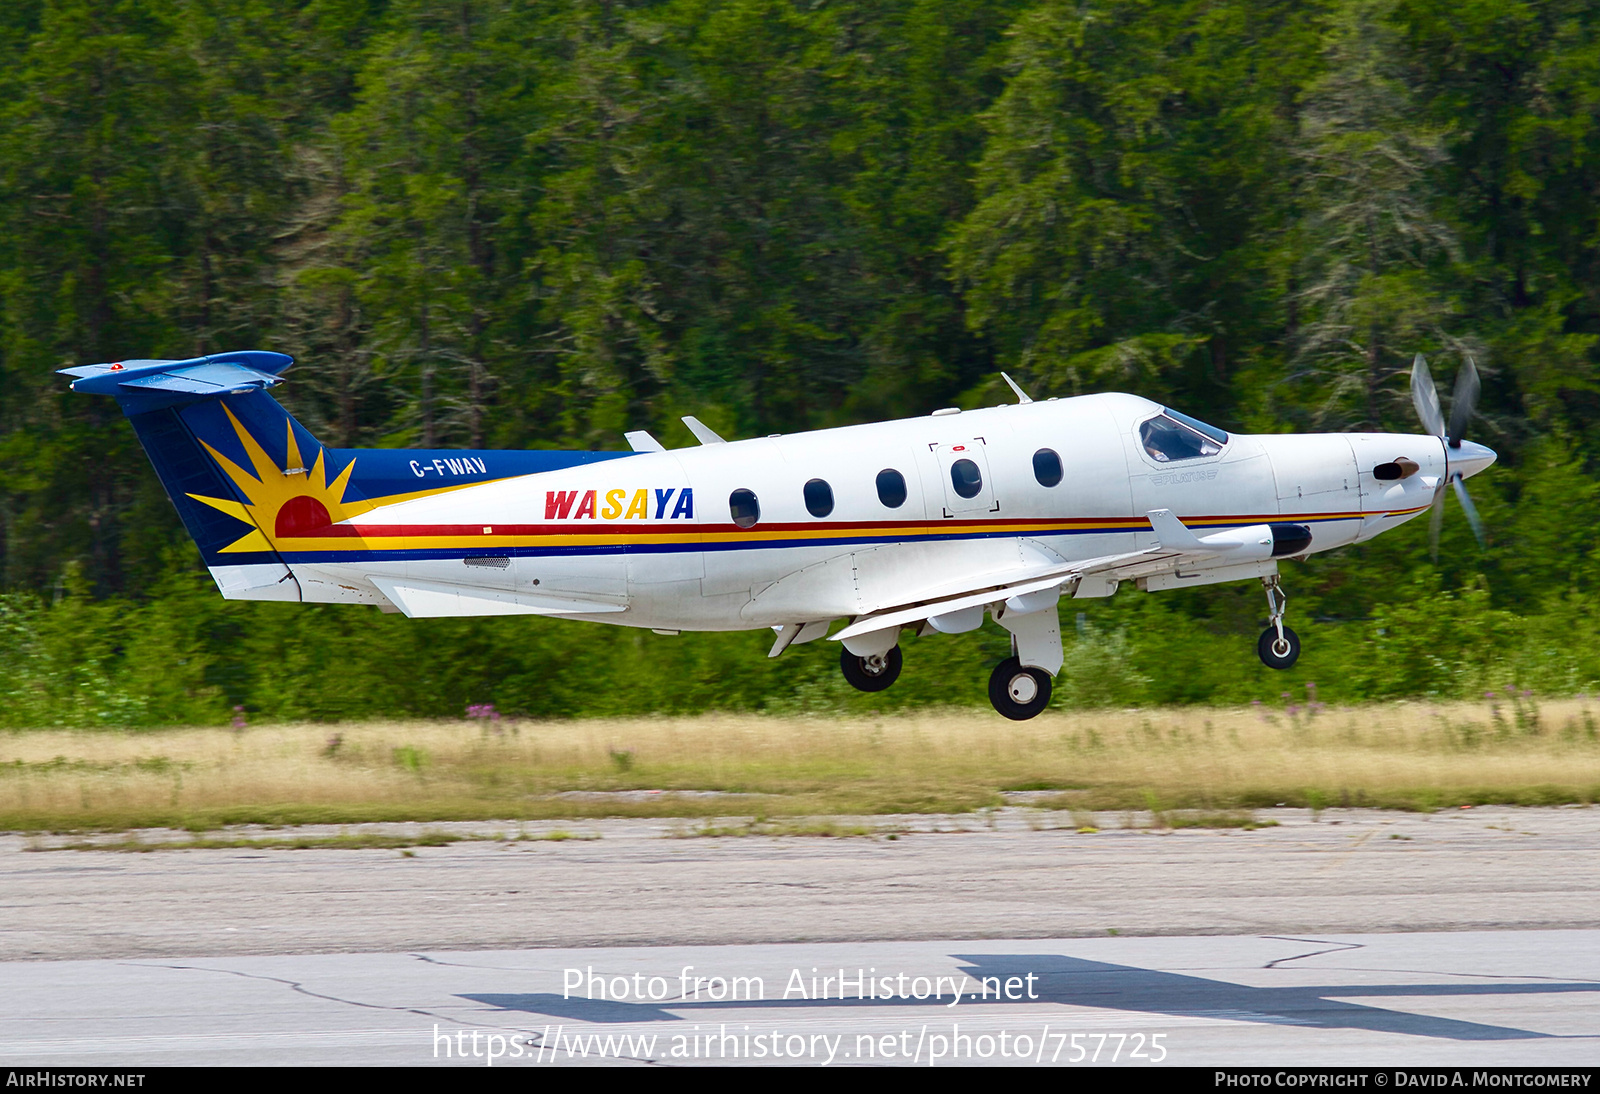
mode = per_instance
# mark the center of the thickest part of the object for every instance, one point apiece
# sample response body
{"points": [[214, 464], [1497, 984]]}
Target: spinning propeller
{"points": [[1462, 457]]}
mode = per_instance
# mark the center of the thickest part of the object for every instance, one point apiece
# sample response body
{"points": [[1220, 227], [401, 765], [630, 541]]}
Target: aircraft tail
{"points": [[215, 438], [257, 492]]}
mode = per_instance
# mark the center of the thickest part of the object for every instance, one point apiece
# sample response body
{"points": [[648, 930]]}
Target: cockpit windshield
{"points": [[1173, 436]]}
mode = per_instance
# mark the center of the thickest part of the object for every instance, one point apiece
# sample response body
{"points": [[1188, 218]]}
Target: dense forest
{"points": [[539, 223]]}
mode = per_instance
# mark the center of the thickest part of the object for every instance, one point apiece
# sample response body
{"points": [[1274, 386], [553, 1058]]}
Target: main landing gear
{"points": [[1019, 687], [1278, 646], [873, 672], [1018, 692]]}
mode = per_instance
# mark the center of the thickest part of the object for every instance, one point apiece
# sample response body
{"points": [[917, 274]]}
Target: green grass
{"points": [[758, 827], [1193, 767], [360, 841]]}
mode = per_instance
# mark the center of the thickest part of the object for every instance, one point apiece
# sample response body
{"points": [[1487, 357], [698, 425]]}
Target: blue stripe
{"points": [[443, 553]]}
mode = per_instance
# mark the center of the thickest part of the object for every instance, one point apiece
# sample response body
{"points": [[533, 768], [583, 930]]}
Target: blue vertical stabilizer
{"points": [[245, 476]]}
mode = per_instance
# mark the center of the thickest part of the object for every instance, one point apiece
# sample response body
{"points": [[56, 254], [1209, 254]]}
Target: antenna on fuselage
{"points": [[640, 440], [1022, 396], [702, 432]]}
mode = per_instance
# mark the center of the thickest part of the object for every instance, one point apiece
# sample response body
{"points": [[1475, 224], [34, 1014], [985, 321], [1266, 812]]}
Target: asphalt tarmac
{"points": [[1348, 871], [1453, 999], [1356, 937]]}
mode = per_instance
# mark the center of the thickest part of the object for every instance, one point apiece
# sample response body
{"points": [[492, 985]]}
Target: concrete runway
{"points": [[1478, 998], [1260, 947], [1350, 871]]}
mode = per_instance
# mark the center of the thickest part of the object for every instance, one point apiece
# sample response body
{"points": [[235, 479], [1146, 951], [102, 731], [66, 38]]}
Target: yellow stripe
{"points": [[607, 537], [603, 538]]}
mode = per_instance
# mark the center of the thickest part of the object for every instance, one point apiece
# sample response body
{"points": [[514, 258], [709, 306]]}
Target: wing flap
{"points": [[899, 617], [1177, 546]]}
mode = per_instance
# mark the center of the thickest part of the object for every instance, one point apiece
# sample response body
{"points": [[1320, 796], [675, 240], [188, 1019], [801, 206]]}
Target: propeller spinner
{"points": [[1462, 457]]}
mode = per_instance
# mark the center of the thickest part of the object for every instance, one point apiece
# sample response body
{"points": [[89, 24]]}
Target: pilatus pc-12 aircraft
{"points": [[925, 524]]}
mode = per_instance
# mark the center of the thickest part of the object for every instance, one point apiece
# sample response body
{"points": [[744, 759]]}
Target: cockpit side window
{"points": [[1218, 435], [1172, 436]]}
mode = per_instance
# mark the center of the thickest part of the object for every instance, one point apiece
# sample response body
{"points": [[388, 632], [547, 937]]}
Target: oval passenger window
{"points": [[964, 476], [819, 498], [745, 508], [891, 488], [1047, 467]]}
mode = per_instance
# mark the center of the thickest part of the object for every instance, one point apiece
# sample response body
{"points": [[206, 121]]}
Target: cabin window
{"points": [[1047, 467], [966, 478], [819, 498], [891, 488], [1166, 439], [744, 507]]}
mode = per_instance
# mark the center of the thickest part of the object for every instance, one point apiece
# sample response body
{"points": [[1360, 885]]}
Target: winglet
{"points": [[640, 441], [1022, 396], [1171, 533], [702, 432]]}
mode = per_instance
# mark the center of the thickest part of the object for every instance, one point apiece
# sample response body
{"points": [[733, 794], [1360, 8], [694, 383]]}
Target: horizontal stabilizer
{"points": [[205, 380], [148, 385], [105, 379]]}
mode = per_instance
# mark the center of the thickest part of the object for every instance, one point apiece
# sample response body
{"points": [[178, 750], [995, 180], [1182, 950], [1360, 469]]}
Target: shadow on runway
{"points": [[1077, 982]]}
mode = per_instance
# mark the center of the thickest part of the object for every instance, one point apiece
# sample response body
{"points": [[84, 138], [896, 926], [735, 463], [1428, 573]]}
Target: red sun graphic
{"points": [[301, 516]]}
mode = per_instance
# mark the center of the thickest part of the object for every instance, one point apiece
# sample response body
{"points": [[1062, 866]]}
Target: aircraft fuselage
{"points": [[651, 539]]}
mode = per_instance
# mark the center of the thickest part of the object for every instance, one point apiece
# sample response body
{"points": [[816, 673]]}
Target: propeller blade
{"points": [[1469, 509], [1464, 401], [1425, 397], [1435, 522]]}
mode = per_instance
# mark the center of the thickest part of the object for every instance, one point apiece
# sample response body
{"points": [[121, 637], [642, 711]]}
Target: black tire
{"points": [[870, 675], [1274, 657], [1009, 687]]}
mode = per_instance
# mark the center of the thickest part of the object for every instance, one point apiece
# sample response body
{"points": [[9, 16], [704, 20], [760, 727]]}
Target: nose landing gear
{"points": [[1278, 647]]}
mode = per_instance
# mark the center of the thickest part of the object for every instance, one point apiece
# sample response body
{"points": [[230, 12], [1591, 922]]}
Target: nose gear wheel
{"points": [[1278, 647], [1278, 651]]}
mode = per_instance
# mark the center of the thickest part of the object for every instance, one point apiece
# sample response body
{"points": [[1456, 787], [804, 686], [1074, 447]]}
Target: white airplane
{"points": [[924, 524]]}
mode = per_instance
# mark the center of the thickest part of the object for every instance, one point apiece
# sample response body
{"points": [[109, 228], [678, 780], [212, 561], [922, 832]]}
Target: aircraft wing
{"points": [[1053, 578], [1176, 546]]}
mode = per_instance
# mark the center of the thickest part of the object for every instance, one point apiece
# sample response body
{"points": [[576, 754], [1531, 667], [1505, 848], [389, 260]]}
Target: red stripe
{"points": [[625, 528], [1135, 524]]}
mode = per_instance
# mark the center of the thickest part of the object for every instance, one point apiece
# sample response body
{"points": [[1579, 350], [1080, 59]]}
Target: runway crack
{"points": [[1519, 977], [297, 986], [464, 965], [1333, 947]]}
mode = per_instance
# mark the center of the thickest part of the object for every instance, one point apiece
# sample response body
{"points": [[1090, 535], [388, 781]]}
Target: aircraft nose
{"points": [[1469, 458]]}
